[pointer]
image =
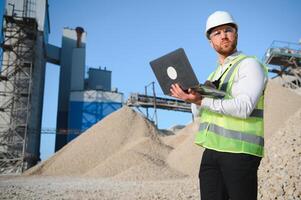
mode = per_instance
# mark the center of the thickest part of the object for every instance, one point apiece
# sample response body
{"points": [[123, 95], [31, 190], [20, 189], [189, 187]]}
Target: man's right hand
{"points": [[191, 96]]}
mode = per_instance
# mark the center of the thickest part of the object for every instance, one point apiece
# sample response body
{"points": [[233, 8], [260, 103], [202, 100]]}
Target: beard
{"points": [[226, 47]]}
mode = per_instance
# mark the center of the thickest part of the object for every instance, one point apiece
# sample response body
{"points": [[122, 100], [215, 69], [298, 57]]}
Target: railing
{"points": [[282, 48], [162, 103]]}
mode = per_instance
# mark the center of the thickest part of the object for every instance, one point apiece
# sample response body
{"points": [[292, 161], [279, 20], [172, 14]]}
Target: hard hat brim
{"points": [[210, 30]]}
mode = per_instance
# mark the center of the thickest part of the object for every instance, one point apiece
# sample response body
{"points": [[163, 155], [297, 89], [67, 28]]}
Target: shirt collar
{"points": [[231, 57]]}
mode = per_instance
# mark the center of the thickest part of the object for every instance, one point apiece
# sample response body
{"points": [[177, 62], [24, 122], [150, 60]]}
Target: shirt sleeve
{"points": [[195, 110], [248, 86]]}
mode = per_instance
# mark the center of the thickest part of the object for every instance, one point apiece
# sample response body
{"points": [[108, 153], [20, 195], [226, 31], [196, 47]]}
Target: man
{"points": [[231, 129]]}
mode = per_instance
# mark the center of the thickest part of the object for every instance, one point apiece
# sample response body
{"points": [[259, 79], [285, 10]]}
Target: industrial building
{"points": [[77, 94], [25, 51], [85, 97]]}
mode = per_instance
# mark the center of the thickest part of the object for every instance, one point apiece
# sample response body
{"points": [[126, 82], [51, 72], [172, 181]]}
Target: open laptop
{"points": [[174, 67]]}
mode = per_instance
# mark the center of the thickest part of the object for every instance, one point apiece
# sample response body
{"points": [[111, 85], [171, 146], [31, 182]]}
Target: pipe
{"points": [[79, 32]]}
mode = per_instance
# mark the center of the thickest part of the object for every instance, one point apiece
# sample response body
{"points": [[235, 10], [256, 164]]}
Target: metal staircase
{"points": [[18, 50]]}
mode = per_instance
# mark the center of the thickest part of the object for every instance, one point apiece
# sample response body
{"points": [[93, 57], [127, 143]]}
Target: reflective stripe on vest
{"points": [[254, 139]]}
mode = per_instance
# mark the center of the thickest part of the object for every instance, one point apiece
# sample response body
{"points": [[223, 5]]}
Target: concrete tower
{"points": [[72, 61]]}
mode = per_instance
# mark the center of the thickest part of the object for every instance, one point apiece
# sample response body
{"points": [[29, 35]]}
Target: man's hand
{"points": [[191, 96]]}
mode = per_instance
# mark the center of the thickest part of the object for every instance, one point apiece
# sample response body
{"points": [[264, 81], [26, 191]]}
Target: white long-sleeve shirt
{"points": [[248, 86]]}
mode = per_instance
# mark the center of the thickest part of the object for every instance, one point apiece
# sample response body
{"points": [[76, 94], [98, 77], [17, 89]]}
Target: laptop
{"points": [[174, 67]]}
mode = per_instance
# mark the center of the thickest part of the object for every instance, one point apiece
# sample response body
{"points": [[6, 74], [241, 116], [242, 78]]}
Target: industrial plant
{"points": [[108, 144], [82, 102], [24, 53]]}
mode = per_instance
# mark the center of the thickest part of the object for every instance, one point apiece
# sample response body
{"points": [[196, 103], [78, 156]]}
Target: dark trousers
{"points": [[225, 176]]}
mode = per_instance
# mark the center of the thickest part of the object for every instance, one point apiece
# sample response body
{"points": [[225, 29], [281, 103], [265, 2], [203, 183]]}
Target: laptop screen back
{"points": [[174, 68]]}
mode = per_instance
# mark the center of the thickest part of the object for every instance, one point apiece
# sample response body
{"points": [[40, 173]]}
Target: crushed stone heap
{"points": [[124, 145], [279, 104], [279, 173]]}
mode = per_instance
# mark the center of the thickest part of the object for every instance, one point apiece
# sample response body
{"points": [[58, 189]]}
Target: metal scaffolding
{"points": [[285, 61], [18, 47]]}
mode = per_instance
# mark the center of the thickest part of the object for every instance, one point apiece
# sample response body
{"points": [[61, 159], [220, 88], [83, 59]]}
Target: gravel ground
{"points": [[50, 187]]}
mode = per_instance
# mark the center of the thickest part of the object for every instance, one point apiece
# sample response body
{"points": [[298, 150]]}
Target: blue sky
{"points": [[124, 35]]}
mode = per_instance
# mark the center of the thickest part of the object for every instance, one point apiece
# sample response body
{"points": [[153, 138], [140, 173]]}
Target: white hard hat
{"points": [[219, 18]]}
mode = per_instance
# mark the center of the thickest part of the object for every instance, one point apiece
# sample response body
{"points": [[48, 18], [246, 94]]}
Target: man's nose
{"points": [[224, 34]]}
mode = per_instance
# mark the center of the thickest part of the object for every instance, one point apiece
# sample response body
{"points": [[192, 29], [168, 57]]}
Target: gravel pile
{"points": [[124, 146], [185, 151], [280, 171], [279, 104]]}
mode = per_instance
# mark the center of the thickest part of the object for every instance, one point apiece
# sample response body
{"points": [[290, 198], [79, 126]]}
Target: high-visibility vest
{"points": [[232, 134]]}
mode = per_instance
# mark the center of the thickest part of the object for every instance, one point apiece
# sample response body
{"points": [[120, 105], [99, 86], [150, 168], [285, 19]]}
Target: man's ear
{"points": [[210, 42]]}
